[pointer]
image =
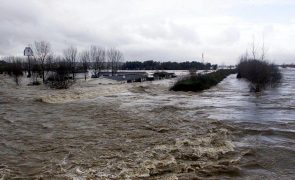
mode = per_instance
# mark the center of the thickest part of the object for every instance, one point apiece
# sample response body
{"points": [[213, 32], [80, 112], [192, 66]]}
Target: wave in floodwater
{"points": [[105, 130]]}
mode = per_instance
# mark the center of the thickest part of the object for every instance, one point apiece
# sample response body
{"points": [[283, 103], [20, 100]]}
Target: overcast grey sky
{"points": [[162, 30]]}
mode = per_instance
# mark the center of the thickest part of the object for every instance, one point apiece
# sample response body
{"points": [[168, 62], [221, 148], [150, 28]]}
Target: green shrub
{"points": [[201, 82]]}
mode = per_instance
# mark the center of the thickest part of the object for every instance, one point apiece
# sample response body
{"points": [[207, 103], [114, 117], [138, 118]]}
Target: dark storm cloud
{"points": [[146, 29]]}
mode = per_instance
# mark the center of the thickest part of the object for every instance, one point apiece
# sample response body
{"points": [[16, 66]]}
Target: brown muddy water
{"points": [[143, 131]]}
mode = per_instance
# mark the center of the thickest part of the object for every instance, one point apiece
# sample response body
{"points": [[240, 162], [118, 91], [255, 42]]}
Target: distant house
{"points": [[163, 75], [126, 76], [130, 77]]}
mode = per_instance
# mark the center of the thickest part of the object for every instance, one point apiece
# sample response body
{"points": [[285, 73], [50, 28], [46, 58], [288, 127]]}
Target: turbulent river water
{"points": [[104, 130]]}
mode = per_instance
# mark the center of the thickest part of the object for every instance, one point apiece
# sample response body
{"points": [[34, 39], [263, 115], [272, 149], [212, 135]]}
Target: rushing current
{"points": [[101, 129]]}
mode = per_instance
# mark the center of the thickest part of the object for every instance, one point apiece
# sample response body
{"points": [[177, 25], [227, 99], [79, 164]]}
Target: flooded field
{"points": [[101, 129]]}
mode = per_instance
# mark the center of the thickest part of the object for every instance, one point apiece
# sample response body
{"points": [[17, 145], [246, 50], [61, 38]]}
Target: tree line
{"points": [[60, 70], [156, 65]]}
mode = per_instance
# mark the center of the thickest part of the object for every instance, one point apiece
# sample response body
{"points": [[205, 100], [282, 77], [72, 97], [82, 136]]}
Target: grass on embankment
{"points": [[201, 82]]}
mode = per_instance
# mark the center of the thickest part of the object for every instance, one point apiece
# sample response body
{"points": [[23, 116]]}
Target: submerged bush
{"points": [[259, 73], [35, 73], [60, 78], [14, 69], [201, 82]]}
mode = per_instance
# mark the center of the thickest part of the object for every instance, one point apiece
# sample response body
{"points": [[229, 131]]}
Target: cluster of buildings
{"points": [[130, 77]]}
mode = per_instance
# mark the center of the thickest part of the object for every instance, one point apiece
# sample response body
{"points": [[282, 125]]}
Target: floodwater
{"points": [[104, 130]]}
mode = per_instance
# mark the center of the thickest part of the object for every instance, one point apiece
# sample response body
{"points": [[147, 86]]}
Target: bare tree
{"points": [[100, 60], [60, 76], [42, 52], [97, 56], [85, 59], [49, 64], [92, 56], [246, 55], [70, 55], [263, 52], [15, 68], [36, 71], [114, 58], [253, 48], [259, 73]]}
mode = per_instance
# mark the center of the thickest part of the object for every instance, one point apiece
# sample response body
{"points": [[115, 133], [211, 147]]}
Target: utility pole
{"points": [[28, 52], [203, 58]]}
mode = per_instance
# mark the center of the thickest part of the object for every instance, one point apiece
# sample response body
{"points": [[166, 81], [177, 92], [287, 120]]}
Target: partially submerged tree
{"points": [[115, 57], [60, 76], [97, 56], [85, 59], [36, 72], [253, 49], [259, 73], [42, 52], [70, 55], [14, 68]]}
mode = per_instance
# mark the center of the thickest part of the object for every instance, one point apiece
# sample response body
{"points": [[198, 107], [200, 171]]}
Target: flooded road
{"points": [[144, 131]]}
